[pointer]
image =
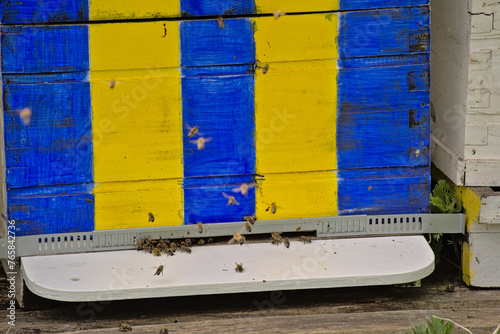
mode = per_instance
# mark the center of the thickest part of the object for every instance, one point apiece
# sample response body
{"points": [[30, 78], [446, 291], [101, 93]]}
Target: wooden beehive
{"points": [[325, 108]]}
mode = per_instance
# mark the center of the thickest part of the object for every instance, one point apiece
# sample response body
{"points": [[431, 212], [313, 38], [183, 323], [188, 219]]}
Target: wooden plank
{"points": [[33, 11]]}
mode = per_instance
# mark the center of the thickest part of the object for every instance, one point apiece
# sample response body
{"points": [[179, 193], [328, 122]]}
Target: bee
{"points": [[250, 219], [243, 188], [248, 227], [186, 249], [151, 217], [272, 207], [305, 239], [286, 242], [230, 199], [220, 22], [193, 131], [112, 83], [277, 14], [159, 270], [200, 227], [163, 330], [139, 244], [210, 240], [173, 246], [147, 248], [277, 238], [239, 267], [187, 242], [156, 252], [124, 328], [201, 242], [200, 142], [298, 228], [25, 115], [265, 69], [238, 238], [169, 252]]}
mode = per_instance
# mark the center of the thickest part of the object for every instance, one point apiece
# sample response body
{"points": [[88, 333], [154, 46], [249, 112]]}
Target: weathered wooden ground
{"points": [[350, 310]]}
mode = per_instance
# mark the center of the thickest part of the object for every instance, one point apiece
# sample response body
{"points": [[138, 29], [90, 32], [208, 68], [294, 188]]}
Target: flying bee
{"points": [[201, 242], [287, 242], [248, 227], [277, 14], [237, 237], [277, 238], [239, 267], [186, 249], [124, 328], [25, 115], [159, 270], [200, 142], [243, 188], [230, 199], [220, 22], [250, 219], [187, 242], [156, 252], [151, 217], [200, 227], [305, 239], [193, 131]]}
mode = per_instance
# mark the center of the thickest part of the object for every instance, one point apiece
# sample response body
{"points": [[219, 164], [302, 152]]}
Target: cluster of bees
{"points": [[161, 246], [127, 328]]}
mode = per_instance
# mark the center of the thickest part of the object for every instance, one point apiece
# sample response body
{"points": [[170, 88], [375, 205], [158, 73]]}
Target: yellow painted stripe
{"points": [[138, 45], [288, 6], [467, 274], [295, 117], [472, 205], [298, 37], [128, 204], [297, 195], [132, 9]]}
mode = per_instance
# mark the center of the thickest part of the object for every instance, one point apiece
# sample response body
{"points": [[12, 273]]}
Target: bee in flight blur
{"points": [[200, 142], [230, 199], [243, 188], [193, 131]]}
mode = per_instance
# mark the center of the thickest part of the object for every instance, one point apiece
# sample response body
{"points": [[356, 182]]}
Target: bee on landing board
{"points": [[200, 142], [277, 238], [230, 199], [163, 330], [200, 227], [286, 241], [124, 328], [159, 271], [243, 188], [305, 239], [239, 267], [237, 237], [201, 242], [185, 249]]}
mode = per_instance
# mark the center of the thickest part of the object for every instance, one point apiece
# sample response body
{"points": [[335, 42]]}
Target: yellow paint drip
{"points": [[132, 9], [297, 195]]}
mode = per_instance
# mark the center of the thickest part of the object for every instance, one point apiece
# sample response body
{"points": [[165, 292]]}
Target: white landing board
{"points": [[210, 269]]}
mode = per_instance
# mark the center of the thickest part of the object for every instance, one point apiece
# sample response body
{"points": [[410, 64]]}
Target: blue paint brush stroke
{"points": [[383, 114], [203, 43], [204, 201], [45, 49], [36, 11], [58, 210], [216, 7], [384, 191], [383, 32], [223, 109], [56, 146]]}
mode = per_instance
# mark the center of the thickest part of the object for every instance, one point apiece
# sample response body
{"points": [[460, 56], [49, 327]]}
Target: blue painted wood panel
{"points": [[32, 49], [384, 191], [56, 146], [386, 122], [385, 32], [217, 7], [204, 200], [223, 109], [31, 11], [203, 43], [367, 4], [59, 209]]}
